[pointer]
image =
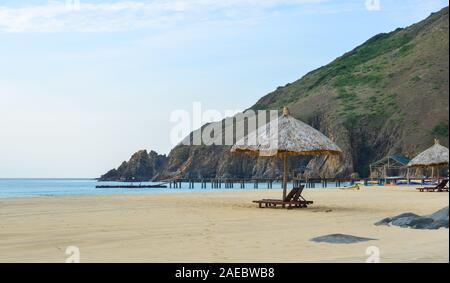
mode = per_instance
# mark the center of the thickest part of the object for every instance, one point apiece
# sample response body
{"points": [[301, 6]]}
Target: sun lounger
{"points": [[293, 200], [440, 188], [291, 194]]}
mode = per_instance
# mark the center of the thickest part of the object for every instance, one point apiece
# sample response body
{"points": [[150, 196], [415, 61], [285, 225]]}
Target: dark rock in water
{"points": [[340, 239], [433, 221]]}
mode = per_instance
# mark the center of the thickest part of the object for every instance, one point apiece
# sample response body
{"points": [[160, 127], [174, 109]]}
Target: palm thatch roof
{"points": [[437, 155], [286, 136]]}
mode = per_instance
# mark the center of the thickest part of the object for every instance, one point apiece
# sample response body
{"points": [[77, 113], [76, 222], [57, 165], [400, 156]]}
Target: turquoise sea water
{"points": [[12, 188], [62, 187]]}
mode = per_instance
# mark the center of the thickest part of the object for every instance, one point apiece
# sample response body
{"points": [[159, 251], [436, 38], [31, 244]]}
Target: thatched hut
{"points": [[434, 157]]}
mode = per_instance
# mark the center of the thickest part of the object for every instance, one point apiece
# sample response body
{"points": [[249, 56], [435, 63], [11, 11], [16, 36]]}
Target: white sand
{"points": [[218, 227]]}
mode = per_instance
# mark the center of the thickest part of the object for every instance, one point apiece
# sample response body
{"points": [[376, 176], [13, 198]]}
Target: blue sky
{"points": [[84, 86]]}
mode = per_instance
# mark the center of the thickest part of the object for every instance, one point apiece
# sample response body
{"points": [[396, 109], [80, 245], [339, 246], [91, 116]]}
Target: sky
{"points": [[85, 83]]}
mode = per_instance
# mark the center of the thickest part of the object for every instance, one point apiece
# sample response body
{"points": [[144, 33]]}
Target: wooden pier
{"points": [[219, 183], [124, 186], [228, 183]]}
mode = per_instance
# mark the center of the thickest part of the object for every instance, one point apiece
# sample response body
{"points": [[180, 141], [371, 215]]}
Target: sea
{"points": [[16, 188]]}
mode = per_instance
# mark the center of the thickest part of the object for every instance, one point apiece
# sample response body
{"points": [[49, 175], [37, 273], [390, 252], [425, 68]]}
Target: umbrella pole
{"points": [[285, 177], [437, 173]]}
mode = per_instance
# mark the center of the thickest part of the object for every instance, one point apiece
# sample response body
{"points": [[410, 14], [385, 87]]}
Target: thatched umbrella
{"points": [[435, 156], [283, 137]]}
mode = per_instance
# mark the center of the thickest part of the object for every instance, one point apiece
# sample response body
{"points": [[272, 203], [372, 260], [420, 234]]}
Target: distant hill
{"points": [[389, 95], [142, 166]]}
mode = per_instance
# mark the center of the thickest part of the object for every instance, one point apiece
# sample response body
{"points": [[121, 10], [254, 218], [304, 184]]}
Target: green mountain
{"points": [[389, 95]]}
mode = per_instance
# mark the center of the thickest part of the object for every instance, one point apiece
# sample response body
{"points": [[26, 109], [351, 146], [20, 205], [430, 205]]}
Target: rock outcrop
{"points": [[142, 166], [434, 221]]}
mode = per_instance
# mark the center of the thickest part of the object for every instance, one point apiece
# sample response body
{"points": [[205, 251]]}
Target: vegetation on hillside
{"points": [[393, 89]]}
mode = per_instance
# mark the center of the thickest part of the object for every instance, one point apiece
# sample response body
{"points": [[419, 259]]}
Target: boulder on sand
{"points": [[340, 239], [434, 221], [388, 220]]}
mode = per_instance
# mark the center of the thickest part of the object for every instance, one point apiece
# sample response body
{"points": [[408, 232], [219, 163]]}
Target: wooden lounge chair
{"points": [[440, 188], [291, 194], [293, 200]]}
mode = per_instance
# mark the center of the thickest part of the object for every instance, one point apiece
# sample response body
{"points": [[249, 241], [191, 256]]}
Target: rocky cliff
{"points": [[142, 166], [389, 95]]}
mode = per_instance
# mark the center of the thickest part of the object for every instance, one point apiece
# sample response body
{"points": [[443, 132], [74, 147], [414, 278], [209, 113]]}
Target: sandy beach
{"points": [[221, 226]]}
